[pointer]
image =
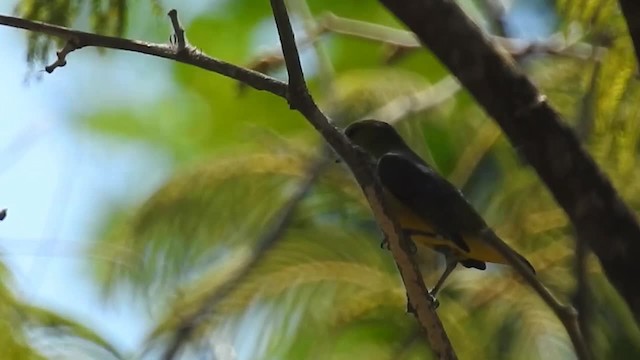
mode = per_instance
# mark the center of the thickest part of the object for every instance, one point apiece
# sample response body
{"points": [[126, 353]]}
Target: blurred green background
{"points": [[227, 160]]}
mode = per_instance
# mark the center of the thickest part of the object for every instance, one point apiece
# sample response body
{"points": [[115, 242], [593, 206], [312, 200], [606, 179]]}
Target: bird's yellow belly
{"points": [[421, 231]]}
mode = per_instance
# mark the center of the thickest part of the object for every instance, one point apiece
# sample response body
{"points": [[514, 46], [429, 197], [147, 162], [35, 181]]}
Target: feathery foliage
{"points": [[326, 290]]}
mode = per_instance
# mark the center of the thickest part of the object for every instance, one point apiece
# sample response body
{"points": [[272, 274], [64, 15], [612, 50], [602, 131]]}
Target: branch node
{"points": [[178, 32], [71, 45]]}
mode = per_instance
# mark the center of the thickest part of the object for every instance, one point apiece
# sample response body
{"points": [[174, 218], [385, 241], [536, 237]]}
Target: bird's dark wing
{"points": [[428, 194]]}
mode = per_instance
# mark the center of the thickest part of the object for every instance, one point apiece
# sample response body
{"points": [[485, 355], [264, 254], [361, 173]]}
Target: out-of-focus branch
{"points": [[300, 99], [406, 105], [267, 241], [401, 42], [631, 11]]}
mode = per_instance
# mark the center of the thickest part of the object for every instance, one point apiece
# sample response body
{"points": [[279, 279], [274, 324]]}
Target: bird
{"points": [[430, 210]]}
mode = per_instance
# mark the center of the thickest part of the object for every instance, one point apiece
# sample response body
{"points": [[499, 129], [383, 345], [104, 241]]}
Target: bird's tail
{"points": [[489, 232]]}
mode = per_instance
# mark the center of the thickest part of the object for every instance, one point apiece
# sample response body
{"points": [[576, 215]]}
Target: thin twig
{"points": [[269, 239], [193, 57], [311, 26], [177, 30], [297, 84], [402, 42], [557, 44], [71, 45], [567, 315], [300, 99]]}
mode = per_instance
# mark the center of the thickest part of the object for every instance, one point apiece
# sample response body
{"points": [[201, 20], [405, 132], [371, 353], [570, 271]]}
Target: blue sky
{"points": [[52, 178]]}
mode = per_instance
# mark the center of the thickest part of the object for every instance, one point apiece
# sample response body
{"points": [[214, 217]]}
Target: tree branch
{"points": [[402, 42], [565, 313], [300, 99], [189, 56], [631, 12], [406, 105]]}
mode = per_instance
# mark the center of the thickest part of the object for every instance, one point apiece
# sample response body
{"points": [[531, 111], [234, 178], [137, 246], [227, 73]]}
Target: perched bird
{"points": [[430, 210]]}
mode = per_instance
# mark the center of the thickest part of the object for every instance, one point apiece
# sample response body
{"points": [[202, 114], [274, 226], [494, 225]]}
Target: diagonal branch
{"points": [[300, 99], [402, 42]]}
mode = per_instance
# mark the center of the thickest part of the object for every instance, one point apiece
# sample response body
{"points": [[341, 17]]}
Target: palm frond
{"points": [[49, 330], [217, 205]]}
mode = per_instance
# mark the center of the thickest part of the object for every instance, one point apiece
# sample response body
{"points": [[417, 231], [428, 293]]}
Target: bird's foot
{"points": [[434, 301], [385, 244], [409, 245]]}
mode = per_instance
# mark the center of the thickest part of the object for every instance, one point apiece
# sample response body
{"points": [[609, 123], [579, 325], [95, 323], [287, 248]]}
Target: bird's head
{"points": [[375, 137]]}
